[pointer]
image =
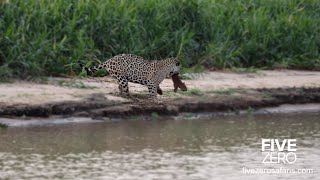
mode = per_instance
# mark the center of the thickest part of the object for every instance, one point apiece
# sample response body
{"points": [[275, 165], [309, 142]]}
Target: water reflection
{"points": [[215, 148]]}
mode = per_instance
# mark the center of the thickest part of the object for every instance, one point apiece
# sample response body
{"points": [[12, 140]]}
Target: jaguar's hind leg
{"points": [[123, 85]]}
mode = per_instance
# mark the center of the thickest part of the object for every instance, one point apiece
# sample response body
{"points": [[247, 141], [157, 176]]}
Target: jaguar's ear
{"points": [[178, 63]]}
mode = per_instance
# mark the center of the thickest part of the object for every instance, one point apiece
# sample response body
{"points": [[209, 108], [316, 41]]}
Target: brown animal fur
{"points": [[177, 83]]}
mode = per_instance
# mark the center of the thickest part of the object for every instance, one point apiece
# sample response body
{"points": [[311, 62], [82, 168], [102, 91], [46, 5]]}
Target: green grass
{"points": [[193, 92], [250, 111], [24, 95], [245, 70], [3, 126], [179, 94], [266, 95], [227, 92], [155, 115], [48, 37], [74, 84]]}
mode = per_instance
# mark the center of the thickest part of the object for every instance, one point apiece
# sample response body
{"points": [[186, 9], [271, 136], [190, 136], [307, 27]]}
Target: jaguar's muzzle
{"points": [[172, 73]]}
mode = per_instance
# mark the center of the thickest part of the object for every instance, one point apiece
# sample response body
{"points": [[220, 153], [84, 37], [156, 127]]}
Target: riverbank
{"points": [[208, 92]]}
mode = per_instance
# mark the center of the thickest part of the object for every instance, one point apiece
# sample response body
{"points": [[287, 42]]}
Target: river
{"points": [[212, 147]]}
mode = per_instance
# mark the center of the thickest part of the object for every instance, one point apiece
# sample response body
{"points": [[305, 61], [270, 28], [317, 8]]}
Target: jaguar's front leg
{"points": [[159, 90], [152, 90], [123, 86]]}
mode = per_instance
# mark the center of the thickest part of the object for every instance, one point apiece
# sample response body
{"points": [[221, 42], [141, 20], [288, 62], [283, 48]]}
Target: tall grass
{"points": [[48, 37]]}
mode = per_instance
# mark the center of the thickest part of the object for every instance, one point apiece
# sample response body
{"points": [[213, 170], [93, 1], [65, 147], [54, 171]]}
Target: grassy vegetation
{"points": [[193, 92], [155, 115], [74, 84], [48, 37], [3, 126], [227, 92]]}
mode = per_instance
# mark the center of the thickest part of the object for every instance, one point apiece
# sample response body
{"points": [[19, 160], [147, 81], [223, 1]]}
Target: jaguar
{"points": [[132, 68]]}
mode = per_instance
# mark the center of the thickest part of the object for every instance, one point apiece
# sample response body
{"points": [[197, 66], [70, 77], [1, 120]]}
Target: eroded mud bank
{"points": [[216, 101]]}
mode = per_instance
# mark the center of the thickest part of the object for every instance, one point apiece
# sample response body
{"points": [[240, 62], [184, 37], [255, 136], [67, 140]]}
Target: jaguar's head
{"points": [[175, 66]]}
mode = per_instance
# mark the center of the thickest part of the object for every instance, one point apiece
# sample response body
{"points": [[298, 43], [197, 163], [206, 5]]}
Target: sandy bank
{"points": [[208, 92]]}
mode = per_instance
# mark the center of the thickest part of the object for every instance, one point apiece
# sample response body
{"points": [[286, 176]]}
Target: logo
{"points": [[279, 151]]}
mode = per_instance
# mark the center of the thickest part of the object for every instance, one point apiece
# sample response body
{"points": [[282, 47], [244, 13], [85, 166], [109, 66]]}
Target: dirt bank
{"points": [[208, 92]]}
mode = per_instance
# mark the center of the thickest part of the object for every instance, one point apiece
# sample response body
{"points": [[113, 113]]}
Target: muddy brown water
{"points": [[208, 148]]}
